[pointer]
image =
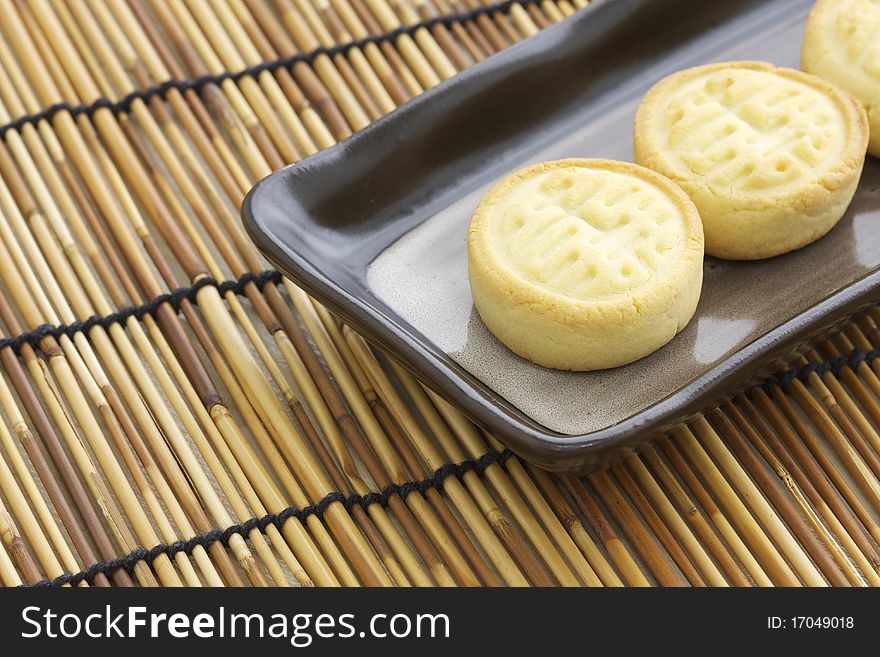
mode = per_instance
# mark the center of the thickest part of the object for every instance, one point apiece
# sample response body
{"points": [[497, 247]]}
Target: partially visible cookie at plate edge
{"points": [[842, 45]]}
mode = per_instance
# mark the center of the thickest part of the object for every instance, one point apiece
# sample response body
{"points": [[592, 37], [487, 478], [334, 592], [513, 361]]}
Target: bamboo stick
{"points": [[360, 24], [379, 18], [655, 496], [696, 517], [103, 500], [392, 17], [243, 123], [378, 513], [801, 524], [144, 421], [8, 574], [652, 519], [10, 538], [280, 87], [354, 101], [547, 516], [485, 30], [120, 433], [467, 33], [301, 418], [520, 19], [758, 541], [817, 486], [255, 18], [446, 442], [325, 67], [566, 8], [483, 528], [862, 381], [501, 28], [135, 329], [29, 490], [215, 313], [646, 546], [472, 446], [359, 359], [369, 63], [420, 10], [217, 52], [380, 457], [57, 359], [629, 570], [412, 511], [553, 12], [803, 443], [861, 432], [839, 432], [47, 477], [573, 525], [792, 478], [52, 561], [724, 526], [144, 56]]}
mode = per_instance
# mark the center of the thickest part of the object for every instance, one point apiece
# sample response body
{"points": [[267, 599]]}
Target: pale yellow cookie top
{"points": [[586, 230], [748, 129], [842, 43], [849, 29]]}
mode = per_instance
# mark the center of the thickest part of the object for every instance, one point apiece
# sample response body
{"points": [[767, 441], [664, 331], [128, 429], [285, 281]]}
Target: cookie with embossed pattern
{"points": [[770, 156], [842, 45], [585, 264]]}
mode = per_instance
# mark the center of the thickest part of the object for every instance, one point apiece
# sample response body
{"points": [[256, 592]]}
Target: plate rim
{"points": [[550, 449]]}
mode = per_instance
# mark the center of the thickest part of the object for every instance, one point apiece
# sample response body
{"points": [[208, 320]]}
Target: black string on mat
{"points": [[261, 279], [129, 561], [834, 366], [174, 298], [124, 104], [479, 465]]}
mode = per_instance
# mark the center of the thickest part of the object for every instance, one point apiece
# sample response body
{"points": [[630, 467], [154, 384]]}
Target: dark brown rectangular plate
{"points": [[375, 228]]}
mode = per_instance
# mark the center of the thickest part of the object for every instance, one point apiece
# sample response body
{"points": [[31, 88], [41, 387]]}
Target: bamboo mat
{"points": [[175, 414]]}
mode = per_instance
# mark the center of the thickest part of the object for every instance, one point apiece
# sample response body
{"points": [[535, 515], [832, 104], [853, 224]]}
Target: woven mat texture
{"points": [[174, 413]]}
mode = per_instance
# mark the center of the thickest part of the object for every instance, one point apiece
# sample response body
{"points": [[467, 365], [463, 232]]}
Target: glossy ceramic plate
{"points": [[375, 228]]}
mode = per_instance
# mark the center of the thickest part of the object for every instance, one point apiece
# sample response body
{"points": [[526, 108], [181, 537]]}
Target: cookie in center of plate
{"points": [[584, 264]]}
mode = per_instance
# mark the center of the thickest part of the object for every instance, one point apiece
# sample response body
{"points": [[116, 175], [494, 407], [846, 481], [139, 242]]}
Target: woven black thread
{"points": [[129, 561], [479, 465], [834, 366], [196, 84], [174, 298]]}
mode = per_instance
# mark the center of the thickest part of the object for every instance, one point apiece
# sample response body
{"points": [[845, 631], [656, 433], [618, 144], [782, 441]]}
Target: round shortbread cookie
{"points": [[585, 264], [842, 45], [770, 156]]}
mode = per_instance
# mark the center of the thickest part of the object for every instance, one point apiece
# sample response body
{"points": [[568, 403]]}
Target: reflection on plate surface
{"points": [[423, 276]]}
